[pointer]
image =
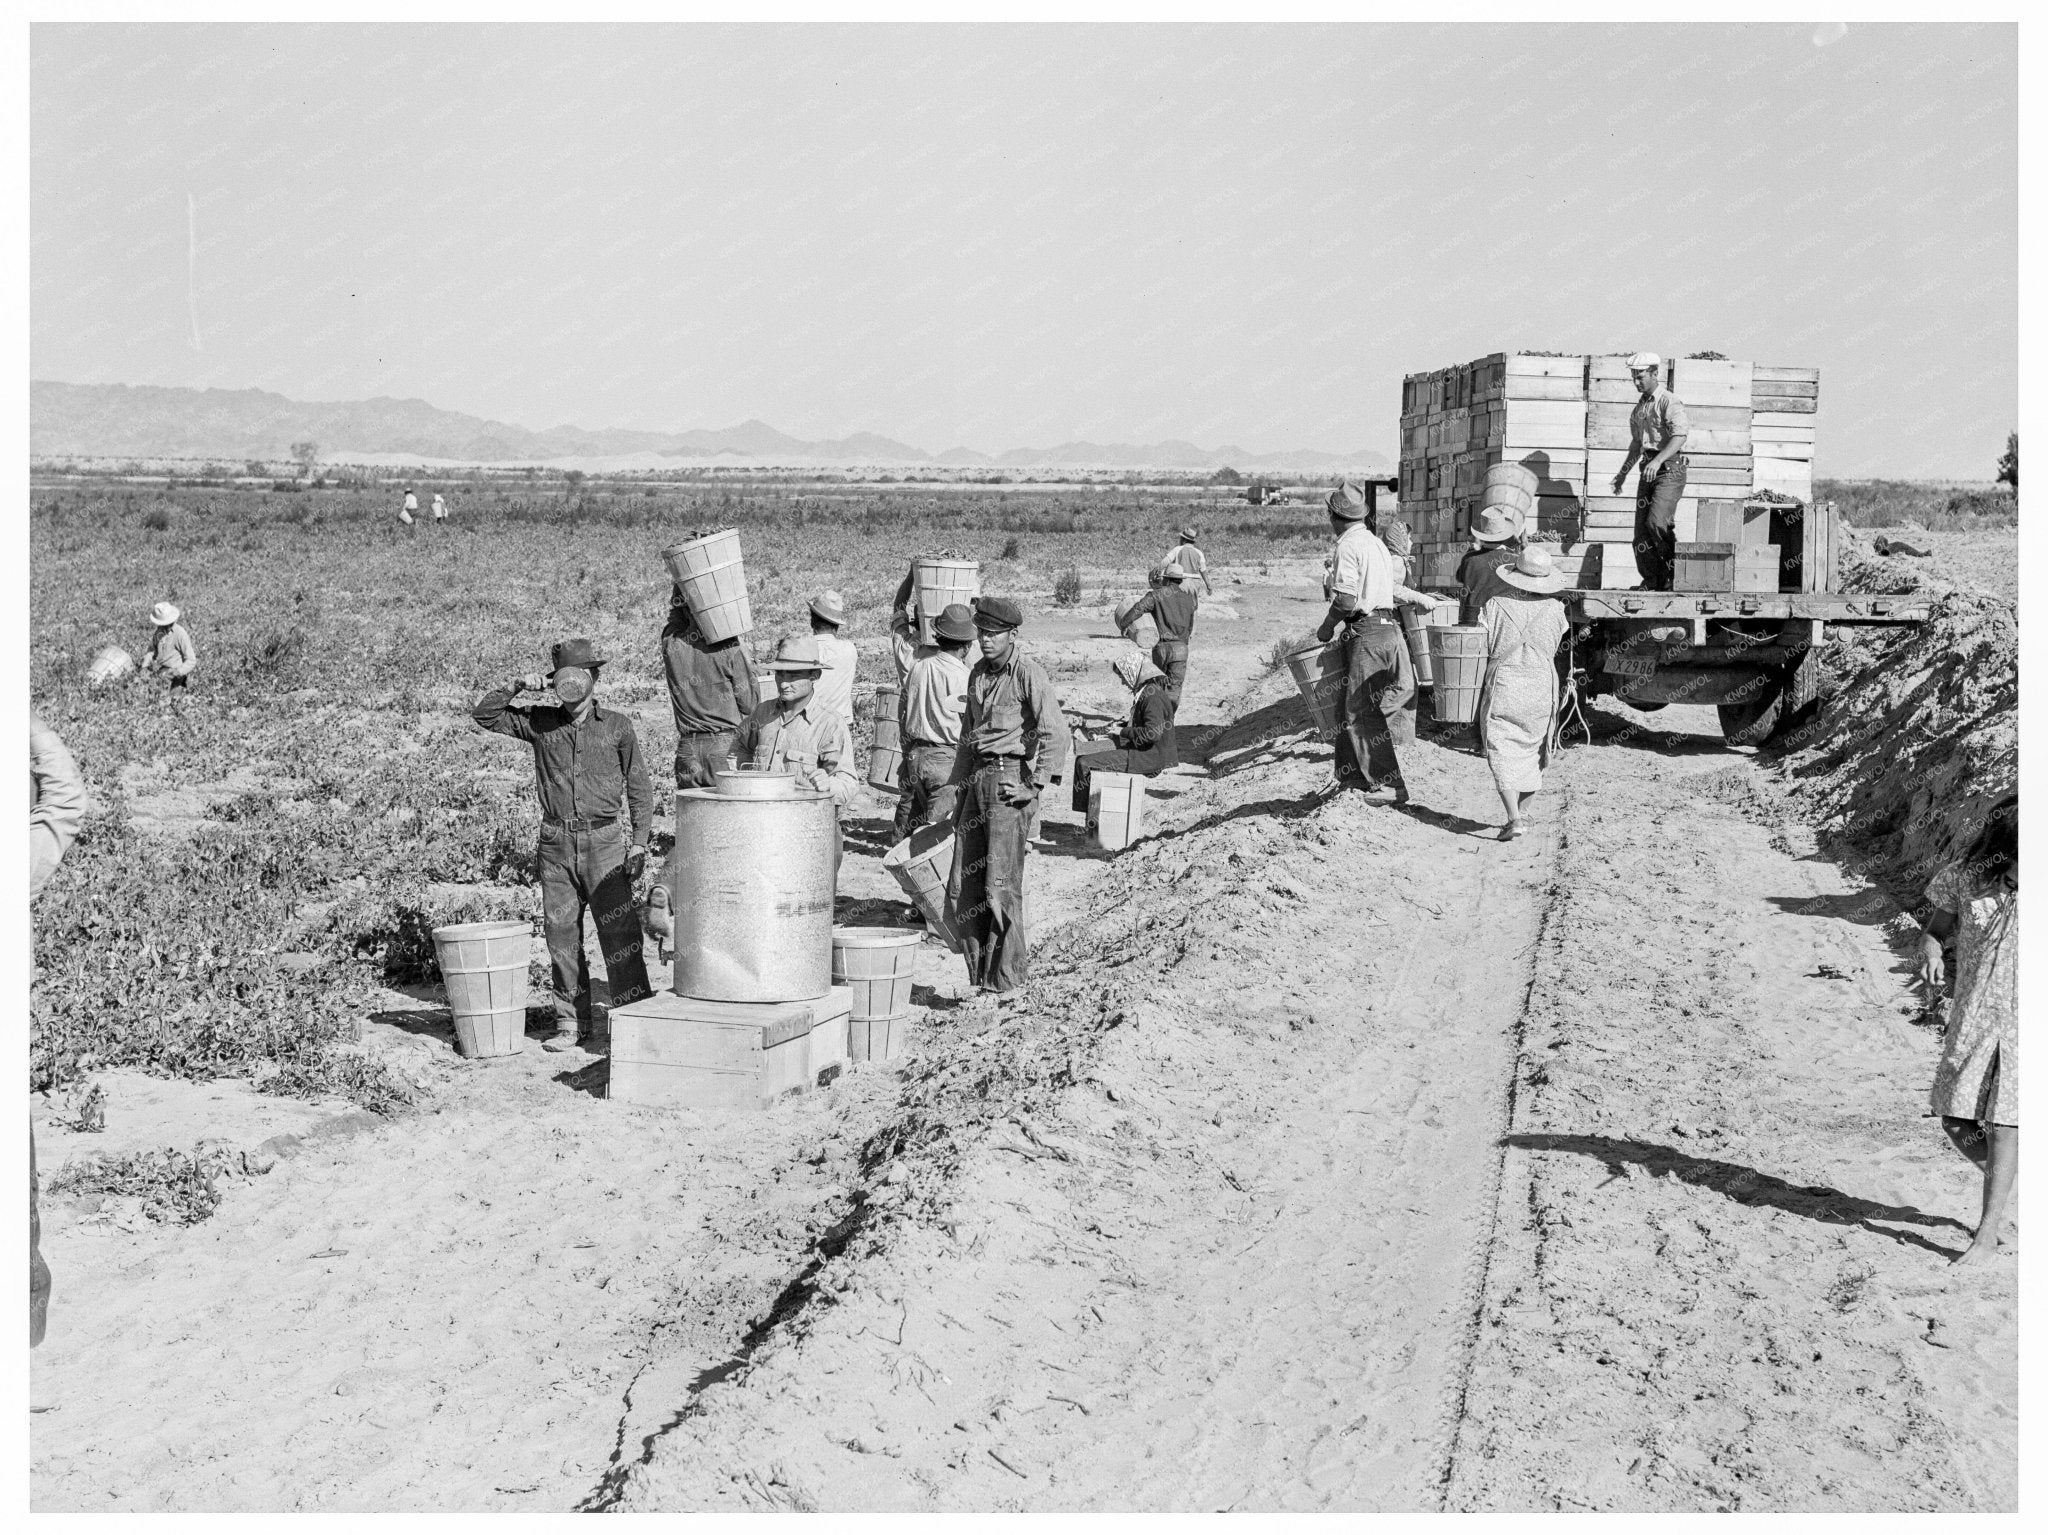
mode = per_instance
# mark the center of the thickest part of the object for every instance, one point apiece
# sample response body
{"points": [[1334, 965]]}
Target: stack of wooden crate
{"points": [[1567, 419]]}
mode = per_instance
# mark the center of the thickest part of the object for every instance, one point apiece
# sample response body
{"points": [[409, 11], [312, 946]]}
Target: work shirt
{"points": [[1656, 420], [1190, 558], [710, 685], [56, 802], [1011, 712], [1172, 608], [934, 696], [1361, 568], [815, 744], [583, 771], [440, 510], [835, 685], [172, 651]]}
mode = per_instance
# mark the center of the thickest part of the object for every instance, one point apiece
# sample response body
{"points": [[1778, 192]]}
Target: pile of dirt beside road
{"points": [[1920, 737]]}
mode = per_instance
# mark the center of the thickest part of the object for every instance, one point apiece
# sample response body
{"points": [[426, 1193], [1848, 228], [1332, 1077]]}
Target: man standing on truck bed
{"points": [[1657, 430]]}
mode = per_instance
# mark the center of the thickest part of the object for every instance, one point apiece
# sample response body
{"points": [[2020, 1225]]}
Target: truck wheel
{"points": [[1751, 722]]}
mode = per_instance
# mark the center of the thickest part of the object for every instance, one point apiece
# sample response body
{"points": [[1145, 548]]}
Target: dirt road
{"points": [[1237, 1218]]}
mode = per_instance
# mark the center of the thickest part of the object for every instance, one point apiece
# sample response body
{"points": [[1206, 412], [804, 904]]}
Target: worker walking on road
{"points": [[589, 773], [1172, 607], [1976, 905], [711, 691], [789, 732], [835, 685], [1143, 743], [1524, 623], [1013, 743], [1657, 429], [934, 698], [1379, 688], [170, 648], [1188, 556]]}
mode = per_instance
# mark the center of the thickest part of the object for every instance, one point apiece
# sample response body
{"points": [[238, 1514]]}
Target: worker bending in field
{"points": [[170, 647], [1657, 430], [1379, 689], [1142, 743], [588, 770], [834, 691], [934, 697], [790, 733], [1172, 607], [1188, 556], [1013, 742]]}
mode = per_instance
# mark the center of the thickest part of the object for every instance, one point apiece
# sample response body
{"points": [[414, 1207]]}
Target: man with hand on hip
{"points": [[588, 770], [1657, 430]]}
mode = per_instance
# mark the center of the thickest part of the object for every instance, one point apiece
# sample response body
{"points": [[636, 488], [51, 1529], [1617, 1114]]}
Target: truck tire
{"points": [[1791, 699]]}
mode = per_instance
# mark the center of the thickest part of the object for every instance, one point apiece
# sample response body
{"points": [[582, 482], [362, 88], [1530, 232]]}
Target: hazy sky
{"points": [[1000, 236]]}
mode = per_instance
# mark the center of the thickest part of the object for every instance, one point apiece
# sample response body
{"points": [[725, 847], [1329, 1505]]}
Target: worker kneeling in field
{"points": [[588, 770], [1013, 741], [934, 696], [1144, 743], [790, 733], [1172, 607]]}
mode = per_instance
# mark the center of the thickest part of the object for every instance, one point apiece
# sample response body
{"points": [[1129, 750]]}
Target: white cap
{"points": [[1637, 360]]}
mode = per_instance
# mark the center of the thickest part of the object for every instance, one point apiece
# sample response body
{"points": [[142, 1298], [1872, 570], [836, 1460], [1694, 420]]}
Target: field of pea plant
{"points": [[268, 846]]}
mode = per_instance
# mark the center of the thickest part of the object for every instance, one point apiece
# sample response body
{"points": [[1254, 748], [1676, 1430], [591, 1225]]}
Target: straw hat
{"points": [[1496, 524], [1347, 502], [1187, 535], [164, 614], [830, 606], [1534, 571], [797, 653], [1172, 573]]}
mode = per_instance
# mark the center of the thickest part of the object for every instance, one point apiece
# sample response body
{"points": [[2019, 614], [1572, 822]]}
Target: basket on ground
{"points": [[1416, 622], [483, 967], [876, 964], [885, 757], [713, 579]]}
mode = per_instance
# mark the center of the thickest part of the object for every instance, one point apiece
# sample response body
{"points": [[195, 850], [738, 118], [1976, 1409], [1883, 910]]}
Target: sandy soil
{"points": [[1282, 1195]]}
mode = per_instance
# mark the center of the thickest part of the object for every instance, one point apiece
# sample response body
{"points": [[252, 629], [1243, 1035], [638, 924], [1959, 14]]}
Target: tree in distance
{"points": [[2009, 464]]}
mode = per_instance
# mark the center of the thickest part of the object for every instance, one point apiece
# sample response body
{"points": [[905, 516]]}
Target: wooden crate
{"points": [[1757, 567], [1718, 521], [680, 1052], [1700, 381], [1699, 567]]}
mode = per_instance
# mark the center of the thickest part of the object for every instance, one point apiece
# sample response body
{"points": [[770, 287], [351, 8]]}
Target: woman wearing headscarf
{"points": [[1976, 903], [1524, 623], [1143, 742]]}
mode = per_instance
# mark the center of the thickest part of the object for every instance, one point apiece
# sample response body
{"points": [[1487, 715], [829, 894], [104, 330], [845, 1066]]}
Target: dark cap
{"points": [[997, 614], [576, 653], [1347, 501], [956, 623]]}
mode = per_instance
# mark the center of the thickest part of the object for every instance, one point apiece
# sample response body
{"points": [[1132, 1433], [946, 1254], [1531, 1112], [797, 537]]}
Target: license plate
{"points": [[1632, 666]]}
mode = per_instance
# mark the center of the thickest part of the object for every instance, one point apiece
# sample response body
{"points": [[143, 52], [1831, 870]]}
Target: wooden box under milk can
{"points": [[754, 1013]]}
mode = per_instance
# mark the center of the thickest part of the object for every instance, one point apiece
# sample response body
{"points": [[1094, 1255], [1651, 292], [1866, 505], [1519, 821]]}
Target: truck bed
{"points": [[1821, 607]]}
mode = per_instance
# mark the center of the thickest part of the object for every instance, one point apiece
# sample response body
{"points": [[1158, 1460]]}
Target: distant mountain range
{"points": [[145, 421]]}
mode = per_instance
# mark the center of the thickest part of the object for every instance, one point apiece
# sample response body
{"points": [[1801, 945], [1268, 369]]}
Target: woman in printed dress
{"points": [[1524, 625], [1976, 901]]}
